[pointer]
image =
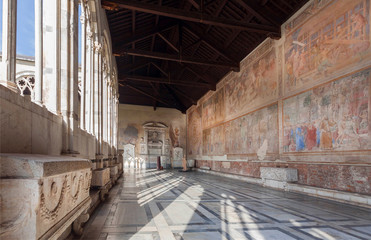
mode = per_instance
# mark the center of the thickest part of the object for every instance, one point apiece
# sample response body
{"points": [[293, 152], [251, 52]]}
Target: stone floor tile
{"points": [[152, 205]]}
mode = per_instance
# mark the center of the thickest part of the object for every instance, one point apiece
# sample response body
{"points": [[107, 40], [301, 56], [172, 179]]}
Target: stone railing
{"points": [[42, 196]]}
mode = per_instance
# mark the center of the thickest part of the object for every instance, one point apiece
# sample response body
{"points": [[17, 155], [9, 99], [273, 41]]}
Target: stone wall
{"points": [[28, 128], [132, 117], [302, 102]]}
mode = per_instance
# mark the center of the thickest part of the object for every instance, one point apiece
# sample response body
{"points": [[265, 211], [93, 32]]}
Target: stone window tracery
{"points": [[26, 84]]}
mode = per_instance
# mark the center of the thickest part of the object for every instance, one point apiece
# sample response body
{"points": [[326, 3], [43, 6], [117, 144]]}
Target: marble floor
{"points": [[150, 204]]}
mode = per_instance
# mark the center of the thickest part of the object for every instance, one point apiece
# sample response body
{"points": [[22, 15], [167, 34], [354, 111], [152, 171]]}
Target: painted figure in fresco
{"points": [[363, 125], [311, 137], [300, 145], [359, 22], [326, 135]]}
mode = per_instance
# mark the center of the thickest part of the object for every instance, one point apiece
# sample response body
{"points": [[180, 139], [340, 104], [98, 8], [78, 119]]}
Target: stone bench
{"points": [[42, 196], [278, 177]]}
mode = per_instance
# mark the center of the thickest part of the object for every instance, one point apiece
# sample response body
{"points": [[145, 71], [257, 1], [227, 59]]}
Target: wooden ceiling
{"points": [[169, 53]]}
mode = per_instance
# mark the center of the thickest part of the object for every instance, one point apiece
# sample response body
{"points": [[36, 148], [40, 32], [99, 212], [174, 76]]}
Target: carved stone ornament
{"points": [[26, 85]]}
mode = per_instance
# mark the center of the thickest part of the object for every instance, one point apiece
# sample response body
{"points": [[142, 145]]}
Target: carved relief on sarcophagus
{"points": [[42, 196]]}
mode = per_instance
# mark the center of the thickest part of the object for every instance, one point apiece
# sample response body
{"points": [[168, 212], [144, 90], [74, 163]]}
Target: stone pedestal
{"points": [[120, 160], [278, 177], [114, 174], [177, 157], [100, 177], [41, 196]]}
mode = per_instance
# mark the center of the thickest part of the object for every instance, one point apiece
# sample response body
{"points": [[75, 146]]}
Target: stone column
{"points": [[9, 44], [69, 74], [88, 92], [97, 54], [110, 118], [51, 55], [101, 84], [92, 85], [105, 126], [83, 65], [38, 52]]}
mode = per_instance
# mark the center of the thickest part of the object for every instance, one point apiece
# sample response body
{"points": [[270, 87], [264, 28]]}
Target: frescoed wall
{"points": [[335, 39], [194, 136], [330, 117], [213, 141], [246, 134], [256, 83], [302, 101], [213, 109]]}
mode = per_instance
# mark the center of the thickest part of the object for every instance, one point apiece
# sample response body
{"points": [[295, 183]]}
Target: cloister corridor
{"points": [[150, 204]]}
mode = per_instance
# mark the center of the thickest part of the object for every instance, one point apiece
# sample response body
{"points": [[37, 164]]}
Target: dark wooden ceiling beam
{"points": [[178, 102], [260, 12], [144, 93], [181, 93], [219, 9], [209, 42], [167, 81], [125, 40], [177, 58], [133, 66], [160, 69], [195, 4], [168, 42], [194, 17]]}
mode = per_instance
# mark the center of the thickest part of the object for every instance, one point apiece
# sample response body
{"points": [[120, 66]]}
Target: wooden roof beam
{"points": [[125, 40], [195, 17], [263, 14], [178, 102], [209, 42], [195, 4], [167, 81], [177, 58], [133, 66], [144, 93]]}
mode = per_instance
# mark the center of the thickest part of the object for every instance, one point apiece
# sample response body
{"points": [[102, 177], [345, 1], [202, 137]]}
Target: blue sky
{"points": [[26, 27]]}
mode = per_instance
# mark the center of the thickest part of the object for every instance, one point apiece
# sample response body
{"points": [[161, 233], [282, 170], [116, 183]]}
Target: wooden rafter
{"points": [[144, 93], [125, 40], [167, 81], [194, 17], [177, 58]]}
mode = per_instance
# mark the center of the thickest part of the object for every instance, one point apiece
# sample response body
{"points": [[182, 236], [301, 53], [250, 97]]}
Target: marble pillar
{"points": [[51, 55], [83, 65], [38, 52], [9, 44]]}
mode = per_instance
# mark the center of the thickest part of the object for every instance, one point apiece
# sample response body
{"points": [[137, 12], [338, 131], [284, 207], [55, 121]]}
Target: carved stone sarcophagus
{"points": [[41, 196]]}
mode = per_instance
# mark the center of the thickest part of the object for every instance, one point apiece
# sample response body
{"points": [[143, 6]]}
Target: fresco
{"points": [[334, 116], [174, 133], [245, 135], [194, 132], [331, 42], [213, 109], [128, 135], [256, 84], [213, 141]]}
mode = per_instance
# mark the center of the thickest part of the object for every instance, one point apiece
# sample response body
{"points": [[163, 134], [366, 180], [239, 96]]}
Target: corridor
{"points": [[151, 204]]}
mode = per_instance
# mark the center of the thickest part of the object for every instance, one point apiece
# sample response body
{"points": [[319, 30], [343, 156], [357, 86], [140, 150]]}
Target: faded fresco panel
{"points": [[334, 40], [213, 109], [213, 141], [331, 117], [194, 132], [257, 83], [245, 135]]}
